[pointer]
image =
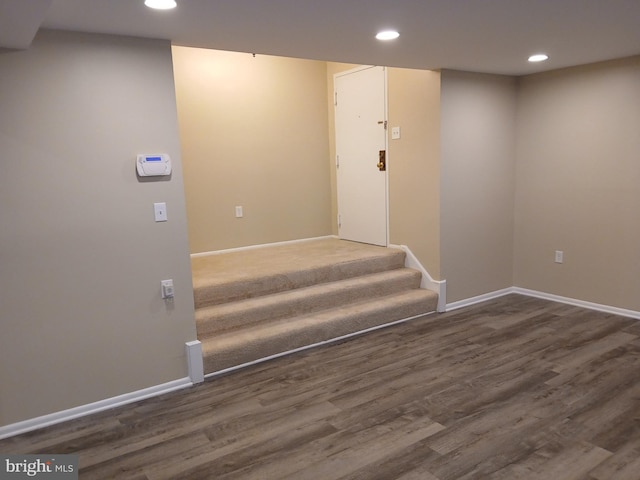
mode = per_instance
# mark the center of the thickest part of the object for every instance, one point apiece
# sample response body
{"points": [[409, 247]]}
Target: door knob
{"points": [[382, 160]]}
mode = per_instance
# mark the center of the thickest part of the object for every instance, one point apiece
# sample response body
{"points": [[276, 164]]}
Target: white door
{"points": [[360, 113]]}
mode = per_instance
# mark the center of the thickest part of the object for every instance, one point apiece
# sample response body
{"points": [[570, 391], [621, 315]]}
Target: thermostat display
{"points": [[153, 165]]}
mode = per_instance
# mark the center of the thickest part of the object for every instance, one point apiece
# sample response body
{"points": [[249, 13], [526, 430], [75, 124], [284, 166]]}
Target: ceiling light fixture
{"points": [[161, 4], [538, 57], [387, 35]]}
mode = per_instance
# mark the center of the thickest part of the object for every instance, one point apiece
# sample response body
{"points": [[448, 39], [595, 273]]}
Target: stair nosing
{"points": [[401, 272], [220, 318], [329, 272], [306, 318]]}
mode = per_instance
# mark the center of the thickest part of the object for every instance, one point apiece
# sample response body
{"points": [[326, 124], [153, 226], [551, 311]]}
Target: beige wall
{"points": [[414, 164], [254, 134], [477, 181], [81, 256], [578, 183]]}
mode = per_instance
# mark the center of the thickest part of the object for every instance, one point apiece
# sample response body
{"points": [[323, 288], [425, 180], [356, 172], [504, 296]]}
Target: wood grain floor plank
{"points": [[573, 463], [615, 423], [513, 388], [379, 442], [242, 434], [584, 354], [410, 462], [623, 465], [420, 473], [133, 464], [298, 462], [241, 462], [59, 438]]}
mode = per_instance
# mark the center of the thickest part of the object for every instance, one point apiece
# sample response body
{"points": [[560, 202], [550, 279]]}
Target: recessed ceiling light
{"points": [[538, 57], [160, 4], [387, 35]]}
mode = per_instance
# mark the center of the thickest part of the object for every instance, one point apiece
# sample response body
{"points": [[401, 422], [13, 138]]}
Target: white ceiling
{"points": [[494, 36]]}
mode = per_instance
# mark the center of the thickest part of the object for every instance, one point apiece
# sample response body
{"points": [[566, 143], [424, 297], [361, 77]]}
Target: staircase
{"points": [[254, 304]]}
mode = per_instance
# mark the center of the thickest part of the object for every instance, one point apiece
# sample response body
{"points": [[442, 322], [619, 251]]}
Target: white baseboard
{"points": [[88, 409], [578, 303], [479, 298], [195, 362], [438, 286], [254, 247], [544, 296]]}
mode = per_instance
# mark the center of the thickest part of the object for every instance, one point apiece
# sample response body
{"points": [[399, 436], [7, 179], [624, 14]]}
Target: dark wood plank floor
{"points": [[514, 388]]}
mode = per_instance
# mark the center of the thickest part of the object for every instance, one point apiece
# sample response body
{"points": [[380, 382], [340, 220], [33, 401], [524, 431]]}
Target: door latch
{"points": [[382, 160]]}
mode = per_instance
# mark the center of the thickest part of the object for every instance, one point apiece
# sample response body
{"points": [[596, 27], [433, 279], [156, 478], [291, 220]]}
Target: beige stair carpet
{"points": [[261, 302]]}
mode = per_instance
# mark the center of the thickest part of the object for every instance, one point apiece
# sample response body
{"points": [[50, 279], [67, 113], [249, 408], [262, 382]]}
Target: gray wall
{"points": [[81, 256], [477, 180], [578, 183]]}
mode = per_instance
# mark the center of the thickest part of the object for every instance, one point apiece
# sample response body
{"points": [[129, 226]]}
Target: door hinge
{"points": [[335, 98], [337, 161], [339, 221]]}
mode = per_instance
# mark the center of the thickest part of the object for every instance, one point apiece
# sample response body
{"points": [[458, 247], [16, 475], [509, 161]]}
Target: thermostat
{"points": [[153, 165]]}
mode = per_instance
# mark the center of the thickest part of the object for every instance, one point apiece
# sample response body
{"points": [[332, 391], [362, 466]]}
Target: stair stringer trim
{"points": [[427, 282], [313, 345]]}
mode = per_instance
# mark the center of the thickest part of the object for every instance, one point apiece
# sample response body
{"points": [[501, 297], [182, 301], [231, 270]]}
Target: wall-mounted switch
{"points": [[395, 133], [167, 288], [160, 211], [239, 212], [559, 256]]}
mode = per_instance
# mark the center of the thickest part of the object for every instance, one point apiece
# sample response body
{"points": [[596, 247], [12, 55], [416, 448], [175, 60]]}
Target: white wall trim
{"points": [[90, 408], [578, 303], [195, 361], [479, 298], [438, 286], [255, 247], [313, 345], [544, 296]]}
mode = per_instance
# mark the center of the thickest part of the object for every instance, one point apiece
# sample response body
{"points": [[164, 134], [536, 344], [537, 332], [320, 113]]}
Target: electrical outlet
{"points": [[160, 211], [559, 256]]}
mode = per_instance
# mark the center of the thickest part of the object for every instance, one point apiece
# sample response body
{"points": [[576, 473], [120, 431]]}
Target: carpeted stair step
{"points": [[217, 319], [275, 337], [256, 272]]}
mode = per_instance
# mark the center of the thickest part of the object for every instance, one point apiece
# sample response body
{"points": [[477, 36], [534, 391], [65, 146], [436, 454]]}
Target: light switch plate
{"points": [[167, 288], [395, 133]]}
